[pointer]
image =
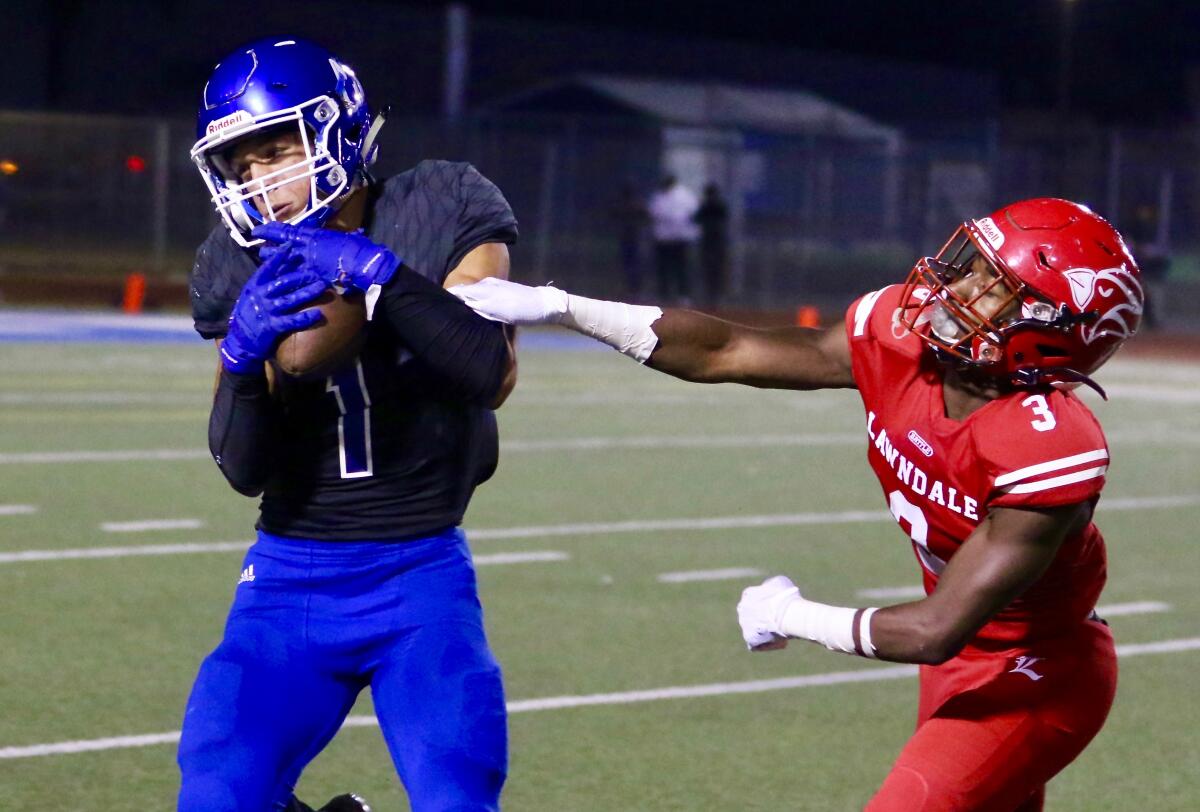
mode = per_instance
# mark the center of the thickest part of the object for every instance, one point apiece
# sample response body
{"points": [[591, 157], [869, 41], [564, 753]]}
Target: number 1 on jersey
{"points": [[354, 425]]}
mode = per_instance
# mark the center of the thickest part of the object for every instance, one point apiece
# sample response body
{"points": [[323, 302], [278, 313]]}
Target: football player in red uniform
{"points": [[988, 461]]}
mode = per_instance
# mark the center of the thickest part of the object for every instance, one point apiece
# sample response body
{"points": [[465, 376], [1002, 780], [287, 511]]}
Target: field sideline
{"points": [[628, 512]]}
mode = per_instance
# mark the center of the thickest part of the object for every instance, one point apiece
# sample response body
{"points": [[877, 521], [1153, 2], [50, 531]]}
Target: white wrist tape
{"points": [[624, 327], [837, 628]]}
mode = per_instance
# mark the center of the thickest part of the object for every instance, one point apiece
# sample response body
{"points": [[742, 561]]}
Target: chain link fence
{"points": [[812, 217]]}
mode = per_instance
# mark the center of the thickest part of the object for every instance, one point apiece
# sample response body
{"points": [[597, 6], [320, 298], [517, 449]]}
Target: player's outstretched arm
{"points": [[697, 347], [1005, 555], [683, 343]]}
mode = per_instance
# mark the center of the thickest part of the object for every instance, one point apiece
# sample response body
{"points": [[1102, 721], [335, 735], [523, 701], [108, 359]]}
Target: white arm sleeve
{"points": [[624, 327]]}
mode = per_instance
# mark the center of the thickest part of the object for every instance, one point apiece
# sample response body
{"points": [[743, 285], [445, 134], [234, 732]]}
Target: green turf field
{"points": [[94, 648]]}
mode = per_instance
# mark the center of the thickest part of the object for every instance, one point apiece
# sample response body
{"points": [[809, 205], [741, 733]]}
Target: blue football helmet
{"points": [[275, 83]]}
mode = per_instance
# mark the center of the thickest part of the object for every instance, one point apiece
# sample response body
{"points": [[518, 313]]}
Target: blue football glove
{"points": [[264, 311], [348, 260]]}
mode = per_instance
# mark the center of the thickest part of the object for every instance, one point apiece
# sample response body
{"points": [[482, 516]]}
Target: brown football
{"points": [[329, 343]]}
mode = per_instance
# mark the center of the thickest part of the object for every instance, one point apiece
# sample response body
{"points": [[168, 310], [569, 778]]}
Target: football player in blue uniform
{"points": [[360, 575]]}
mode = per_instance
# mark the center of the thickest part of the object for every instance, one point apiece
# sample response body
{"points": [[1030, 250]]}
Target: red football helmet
{"points": [[1056, 292]]}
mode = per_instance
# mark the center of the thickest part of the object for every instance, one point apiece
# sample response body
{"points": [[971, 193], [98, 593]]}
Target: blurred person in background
{"points": [[991, 466], [713, 219], [672, 208], [360, 576]]}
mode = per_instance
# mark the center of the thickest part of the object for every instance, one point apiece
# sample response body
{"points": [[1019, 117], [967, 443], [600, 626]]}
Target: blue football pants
{"points": [[317, 623]]}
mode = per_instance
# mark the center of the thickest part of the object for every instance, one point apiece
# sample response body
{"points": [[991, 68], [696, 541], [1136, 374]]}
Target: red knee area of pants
{"points": [[904, 790], [991, 734]]}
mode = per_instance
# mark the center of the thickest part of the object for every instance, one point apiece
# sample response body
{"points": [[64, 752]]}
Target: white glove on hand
{"points": [[513, 303], [761, 611]]}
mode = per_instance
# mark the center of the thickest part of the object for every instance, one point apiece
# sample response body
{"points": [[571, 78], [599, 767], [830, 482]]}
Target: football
{"points": [[331, 342]]}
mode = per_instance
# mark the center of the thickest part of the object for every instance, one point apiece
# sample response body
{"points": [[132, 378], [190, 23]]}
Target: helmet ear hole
{"points": [[1041, 255], [1051, 351]]}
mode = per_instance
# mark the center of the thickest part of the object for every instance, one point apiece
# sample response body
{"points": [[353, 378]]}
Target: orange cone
{"points": [[135, 293], [808, 316]]}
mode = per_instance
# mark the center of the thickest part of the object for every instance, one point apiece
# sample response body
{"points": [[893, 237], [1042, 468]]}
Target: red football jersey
{"points": [[941, 476]]}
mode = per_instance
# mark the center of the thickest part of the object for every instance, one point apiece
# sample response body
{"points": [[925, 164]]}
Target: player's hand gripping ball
{"points": [[349, 260], [330, 343], [267, 309]]}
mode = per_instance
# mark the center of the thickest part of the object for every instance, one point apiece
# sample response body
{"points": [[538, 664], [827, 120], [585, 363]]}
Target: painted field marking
{"points": [[861, 675], [593, 528], [708, 575], [684, 441], [1105, 611], [103, 398], [17, 510], [1134, 608], [1140, 436], [148, 525], [22, 556], [509, 446], [667, 525], [893, 592], [130, 455], [530, 557]]}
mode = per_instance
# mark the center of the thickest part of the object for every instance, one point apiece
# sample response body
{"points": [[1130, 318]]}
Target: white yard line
{"points": [[693, 441], [103, 398], [530, 557], [893, 592], [22, 556], [668, 525], [862, 675], [125, 455], [581, 529], [508, 446], [1105, 611], [148, 525], [1141, 436], [17, 510], [1134, 608], [708, 575]]}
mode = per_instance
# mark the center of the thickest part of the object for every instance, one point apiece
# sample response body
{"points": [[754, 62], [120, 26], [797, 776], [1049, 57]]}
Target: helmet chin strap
{"points": [[1037, 377], [368, 147], [1020, 379]]}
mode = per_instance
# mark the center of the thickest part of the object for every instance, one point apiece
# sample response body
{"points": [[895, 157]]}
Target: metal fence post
{"points": [[162, 189]]}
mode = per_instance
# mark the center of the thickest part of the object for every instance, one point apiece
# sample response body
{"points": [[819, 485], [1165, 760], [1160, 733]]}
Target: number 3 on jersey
{"points": [[1041, 408], [354, 425]]}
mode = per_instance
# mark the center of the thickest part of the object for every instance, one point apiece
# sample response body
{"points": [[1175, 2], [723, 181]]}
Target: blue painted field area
{"points": [[103, 326]]}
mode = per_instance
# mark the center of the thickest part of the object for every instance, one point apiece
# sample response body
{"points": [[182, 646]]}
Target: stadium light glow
{"points": [[9, 168]]}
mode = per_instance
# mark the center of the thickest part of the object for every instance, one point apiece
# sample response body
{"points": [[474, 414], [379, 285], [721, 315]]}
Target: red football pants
{"points": [[993, 728]]}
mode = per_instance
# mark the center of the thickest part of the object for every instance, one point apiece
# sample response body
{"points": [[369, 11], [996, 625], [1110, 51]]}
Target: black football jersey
{"points": [[378, 450]]}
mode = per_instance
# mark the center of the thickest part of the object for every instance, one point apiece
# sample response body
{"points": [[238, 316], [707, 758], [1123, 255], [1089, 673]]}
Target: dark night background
{"points": [[1130, 61]]}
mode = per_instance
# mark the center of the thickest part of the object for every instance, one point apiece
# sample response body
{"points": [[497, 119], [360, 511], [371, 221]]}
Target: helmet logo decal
{"points": [[1122, 320], [1083, 284], [230, 121], [987, 227]]}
